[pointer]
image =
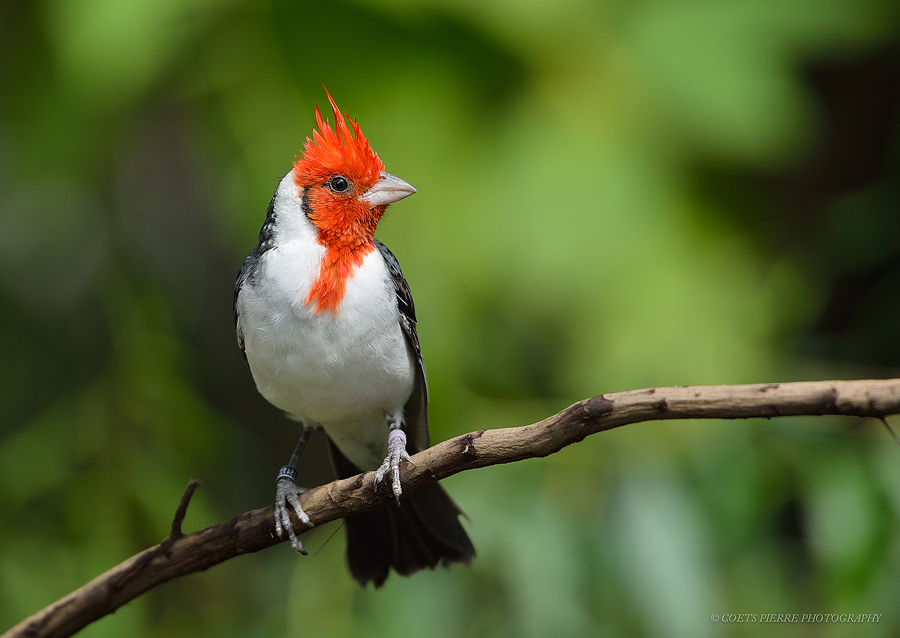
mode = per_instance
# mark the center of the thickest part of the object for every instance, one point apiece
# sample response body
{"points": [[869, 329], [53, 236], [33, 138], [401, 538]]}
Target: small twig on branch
{"points": [[181, 510], [252, 531], [890, 430]]}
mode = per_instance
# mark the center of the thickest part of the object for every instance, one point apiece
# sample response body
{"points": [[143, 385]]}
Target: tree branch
{"points": [[182, 554]]}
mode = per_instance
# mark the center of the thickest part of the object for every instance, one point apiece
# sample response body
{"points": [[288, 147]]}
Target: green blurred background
{"points": [[612, 195]]}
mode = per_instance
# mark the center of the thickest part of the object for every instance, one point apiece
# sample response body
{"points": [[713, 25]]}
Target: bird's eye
{"points": [[338, 184]]}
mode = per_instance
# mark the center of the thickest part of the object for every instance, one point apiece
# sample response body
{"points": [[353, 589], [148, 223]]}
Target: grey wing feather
{"points": [[237, 317], [416, 408], [250, 267]]}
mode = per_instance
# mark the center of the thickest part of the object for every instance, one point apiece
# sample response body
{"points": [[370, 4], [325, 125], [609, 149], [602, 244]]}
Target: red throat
{"points": [[346, 225], [348, 236]]}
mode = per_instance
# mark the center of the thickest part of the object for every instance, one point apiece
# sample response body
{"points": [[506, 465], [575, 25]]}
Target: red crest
{"points": [[336, 152]]}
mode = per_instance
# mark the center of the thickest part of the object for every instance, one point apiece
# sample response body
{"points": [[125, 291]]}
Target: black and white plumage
{"points": [[355, 371]]}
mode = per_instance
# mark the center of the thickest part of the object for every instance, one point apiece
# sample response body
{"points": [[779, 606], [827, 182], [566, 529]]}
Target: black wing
{"points": [[241, 278], [416, 408], [249, 269]]}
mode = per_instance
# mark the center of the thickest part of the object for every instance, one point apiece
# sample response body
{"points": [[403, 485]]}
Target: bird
{"points": [[326, 322]]}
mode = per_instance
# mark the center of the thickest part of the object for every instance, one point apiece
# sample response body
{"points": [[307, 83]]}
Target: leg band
{"points": [[287, 472], [397, 434]]}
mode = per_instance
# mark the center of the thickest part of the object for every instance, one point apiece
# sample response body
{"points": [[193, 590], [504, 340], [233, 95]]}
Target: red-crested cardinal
{"points": [[326, 321]]}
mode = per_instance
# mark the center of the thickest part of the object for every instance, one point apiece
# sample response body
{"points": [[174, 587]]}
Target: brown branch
{"points": [[252, 531]]}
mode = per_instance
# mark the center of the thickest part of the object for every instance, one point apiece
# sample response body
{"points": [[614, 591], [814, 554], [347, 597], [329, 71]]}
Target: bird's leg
{"points": [[396, 453], [287, 493]]}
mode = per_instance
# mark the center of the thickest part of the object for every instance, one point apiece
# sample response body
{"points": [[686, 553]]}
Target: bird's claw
{"points": [[396, 453], [288, 494]]}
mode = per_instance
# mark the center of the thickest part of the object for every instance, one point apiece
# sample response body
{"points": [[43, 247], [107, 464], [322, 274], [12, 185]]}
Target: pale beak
{"points": [[387, 190]]}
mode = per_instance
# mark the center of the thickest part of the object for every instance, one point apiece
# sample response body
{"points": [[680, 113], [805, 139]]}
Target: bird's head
{"points": [[343, 182], [344, 190]]}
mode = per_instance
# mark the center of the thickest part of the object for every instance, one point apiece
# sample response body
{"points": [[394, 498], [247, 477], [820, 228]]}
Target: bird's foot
{"points": [[396, 453], [288, 494]]}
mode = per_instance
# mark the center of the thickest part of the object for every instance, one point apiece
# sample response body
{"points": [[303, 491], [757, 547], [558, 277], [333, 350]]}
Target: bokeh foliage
{"points": [[611, 195]]}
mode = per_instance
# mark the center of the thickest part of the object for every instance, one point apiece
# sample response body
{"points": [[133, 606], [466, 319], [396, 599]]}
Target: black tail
{"points": [[421, 533]]}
